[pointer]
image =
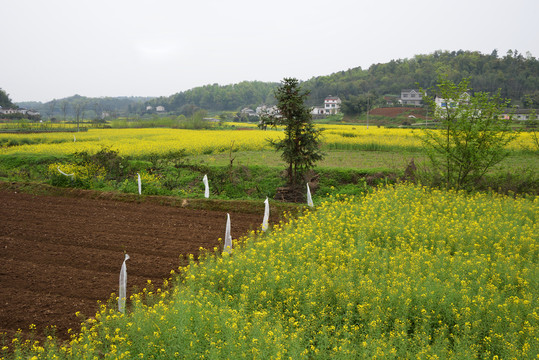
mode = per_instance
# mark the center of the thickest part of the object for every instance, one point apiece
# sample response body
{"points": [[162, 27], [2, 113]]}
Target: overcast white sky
{"points": [[58, 48]]}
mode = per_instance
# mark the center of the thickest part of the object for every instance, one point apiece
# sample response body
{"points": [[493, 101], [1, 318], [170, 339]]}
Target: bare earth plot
{"points": [[60, 255]]}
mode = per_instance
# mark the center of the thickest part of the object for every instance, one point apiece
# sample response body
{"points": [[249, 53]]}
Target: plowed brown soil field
{"points": [[60, 255]]}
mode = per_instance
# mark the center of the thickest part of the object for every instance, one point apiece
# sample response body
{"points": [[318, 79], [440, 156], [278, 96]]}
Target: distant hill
{"points": [[87, 107], [219, 97], [516, 75]]}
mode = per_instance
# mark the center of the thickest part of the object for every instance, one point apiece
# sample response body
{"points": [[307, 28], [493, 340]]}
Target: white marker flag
{"points": [[123, 286], [266, 216], [207, 187], [74, 138], [63, 173], [228, 237], [309, 198], [139, 185]]}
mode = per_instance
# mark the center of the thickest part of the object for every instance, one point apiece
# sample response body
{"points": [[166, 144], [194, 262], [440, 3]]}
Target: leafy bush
{"points": [[78, 175], [472, 135], [113, 165]]}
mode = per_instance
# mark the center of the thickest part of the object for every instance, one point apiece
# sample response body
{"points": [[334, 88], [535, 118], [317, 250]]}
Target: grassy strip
{"points": [[404, 272], [252, 175], [181, 177], [364, 160], [374, 161]]}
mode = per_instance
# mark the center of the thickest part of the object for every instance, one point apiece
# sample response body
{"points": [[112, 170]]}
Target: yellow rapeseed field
{"points": [[350, 137], [140, 142]]}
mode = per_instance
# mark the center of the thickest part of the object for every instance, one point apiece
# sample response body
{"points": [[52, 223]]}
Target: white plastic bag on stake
{"points": [[123, 285], [74, 138], [228, 237], [63, 173], [266, 215], [309, 198], [139, 185], [207, 187]]}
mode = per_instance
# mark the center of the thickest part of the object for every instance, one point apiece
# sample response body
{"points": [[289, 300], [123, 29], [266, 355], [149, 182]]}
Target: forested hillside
{"points": [[218, 97], [515, 74]]}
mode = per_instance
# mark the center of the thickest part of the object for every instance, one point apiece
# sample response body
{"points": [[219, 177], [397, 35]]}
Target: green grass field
{"points": [[364, 160], [356, 159]]}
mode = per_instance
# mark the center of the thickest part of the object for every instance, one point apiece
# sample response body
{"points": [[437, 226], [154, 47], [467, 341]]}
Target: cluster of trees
{"points": [[359, 104], [5, 101], [471, 139], [220, 97]]}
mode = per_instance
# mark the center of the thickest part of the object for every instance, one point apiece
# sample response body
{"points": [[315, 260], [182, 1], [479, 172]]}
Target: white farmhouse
{"points": [[521, 114], [445, 103], [332, 105], [248, 112], [266, 110], [18, 111], [411, 97], [318, 110]]}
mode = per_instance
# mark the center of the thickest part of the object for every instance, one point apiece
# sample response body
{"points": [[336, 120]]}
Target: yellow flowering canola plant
{"points": [[139, 142], [160, 141], [347, 137], [404, 272]]}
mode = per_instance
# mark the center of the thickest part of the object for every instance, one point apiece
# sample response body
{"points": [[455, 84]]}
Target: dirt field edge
{"points": [[241, 206]]}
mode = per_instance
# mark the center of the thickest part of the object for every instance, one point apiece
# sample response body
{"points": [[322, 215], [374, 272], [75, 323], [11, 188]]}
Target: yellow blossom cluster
{"points": [[78, 171], [404, 272]]}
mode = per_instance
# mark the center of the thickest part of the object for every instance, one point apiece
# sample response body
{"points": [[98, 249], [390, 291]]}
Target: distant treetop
{"points": [[5, 101]]}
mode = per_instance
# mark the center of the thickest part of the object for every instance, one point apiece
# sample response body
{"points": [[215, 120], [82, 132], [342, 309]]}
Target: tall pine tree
{"points": [[301, 145]]}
